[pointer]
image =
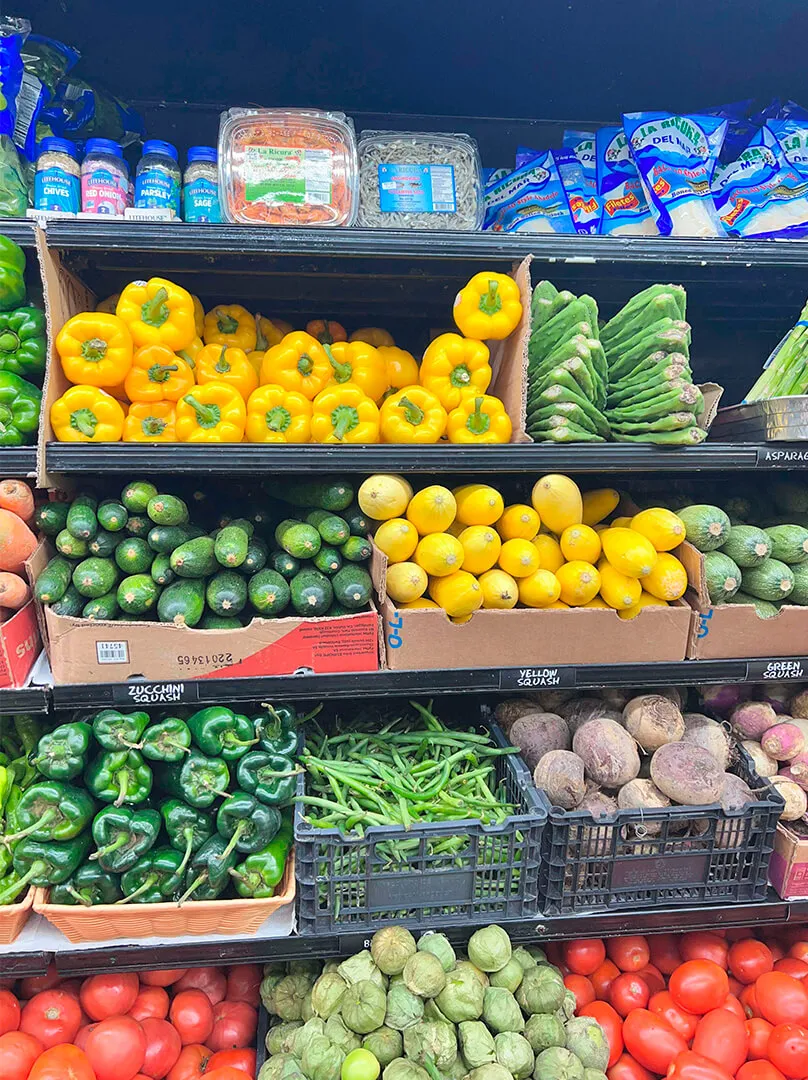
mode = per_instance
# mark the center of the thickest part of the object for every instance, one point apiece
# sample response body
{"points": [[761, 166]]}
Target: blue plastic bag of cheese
{"points": [[13, 182], [583, 206], [530, 199], [792, 137], [624, 209], [676, 158], [761, 195], [45, 63]]}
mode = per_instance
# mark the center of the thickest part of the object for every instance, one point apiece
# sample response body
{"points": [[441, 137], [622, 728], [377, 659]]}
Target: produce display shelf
{"points": [[226, 460], [17, 461], [28, 699], [20, 231]]}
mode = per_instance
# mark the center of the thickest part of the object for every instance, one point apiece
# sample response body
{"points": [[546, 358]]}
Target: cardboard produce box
{"points": [[20, 645], [788, 869]]}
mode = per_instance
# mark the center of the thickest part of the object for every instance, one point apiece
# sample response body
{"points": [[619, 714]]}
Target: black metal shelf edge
{"points": [[17, 461], [20, 230], [29, 699], [513, 457]]}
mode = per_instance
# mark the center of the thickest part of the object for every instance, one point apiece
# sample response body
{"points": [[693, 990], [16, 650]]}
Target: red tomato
{"points": [[243, 1059], [679, 1019], [584, 955], [630, 953], [191, 1014], [781, 999], [62, 1063], [609, 1019], [163, 977], [748, 959], [18, 1052], [116, 1048], [554, 952], [799, 951], [665, 952], [243, 981], [234, 1025], [109, 995], [736, 933], [163, 1047], [797, 969], [34, 984], [749, 1001], [210, 980], [735, 987], [225, 1073], [52, 1016], [699, 945], [788, 1050], [582, 988], [775, 948], [9, 1012], [757, 1031], [721, 1037], [653, 978], [758, 1070], [151, 1001], [192, 1063], [699, 986], [626, 1068], [83, 1035], [651, 1040], [692, 1066], [734, 1006], [603, 978], [628, 992]]}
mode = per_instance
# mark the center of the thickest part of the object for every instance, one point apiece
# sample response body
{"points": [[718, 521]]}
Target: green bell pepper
{"points": [[6, 784], [20, 405], [277, 731], [88, 886], [115, 730], [23, 343], [187, 828], [200, 780], [248, 824], [220, 732], [62, 754], [11, 255], [12, 285], [207, 876], [119, 777], [168, 741], [122, 835], [154, 878], [270, 777], [28, 729], [260, 873], [51, 811], [44, 864]]}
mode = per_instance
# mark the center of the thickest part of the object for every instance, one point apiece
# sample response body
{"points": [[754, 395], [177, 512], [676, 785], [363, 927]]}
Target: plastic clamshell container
{"points": [[420, 180], [288, 167]]}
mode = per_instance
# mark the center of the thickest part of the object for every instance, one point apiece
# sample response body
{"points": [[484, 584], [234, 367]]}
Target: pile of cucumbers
{"points": [[150, 555]]}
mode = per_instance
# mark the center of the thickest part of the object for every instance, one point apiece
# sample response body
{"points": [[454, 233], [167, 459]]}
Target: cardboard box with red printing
{"points": [[788, 869], [20, 645]]}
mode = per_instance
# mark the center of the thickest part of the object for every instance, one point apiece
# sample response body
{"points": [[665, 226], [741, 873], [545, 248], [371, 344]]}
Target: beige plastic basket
{"points": [[13, 917]]}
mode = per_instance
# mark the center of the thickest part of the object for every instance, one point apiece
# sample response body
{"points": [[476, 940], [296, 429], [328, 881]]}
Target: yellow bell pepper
{"points": [[359, 363], [199, 316], [400, 365], [488, 307], [220, 363], [267, 333], [158, 312], [109, 304], [86, 414], [157, 374], [256, 358], [344, 414], [452, 366], [479, 419], [413, 415], [230, 324], [283, 326], [373, 335], [275, 415], [95, 349], [190, 354], [213, 413], [298, 363], [150, 421]]}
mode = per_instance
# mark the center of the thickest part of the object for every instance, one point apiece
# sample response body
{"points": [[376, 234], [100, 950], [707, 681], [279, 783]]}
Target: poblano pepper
{"points": [[246, 823], [187, 828], [154, 878], [277, 729], [220, 732], [12, 268], [51, 811], [270, 777], [122, 835], [115, 730], [260, 873], [23, 341], [168, 741], [207, 876], [199, 780], [119, 777], [89, 885], [44, 864], [20, 405], [62, 754]]}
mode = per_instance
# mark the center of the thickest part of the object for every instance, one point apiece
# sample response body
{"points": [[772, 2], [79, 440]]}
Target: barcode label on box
{"points": [[112, 652]]}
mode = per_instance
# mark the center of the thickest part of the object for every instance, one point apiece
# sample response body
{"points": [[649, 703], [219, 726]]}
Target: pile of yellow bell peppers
{"points": [[149, 365]]}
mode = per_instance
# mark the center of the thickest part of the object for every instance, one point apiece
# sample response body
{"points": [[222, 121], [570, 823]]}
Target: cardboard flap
{"points": [[509, 383], [712, 394]]}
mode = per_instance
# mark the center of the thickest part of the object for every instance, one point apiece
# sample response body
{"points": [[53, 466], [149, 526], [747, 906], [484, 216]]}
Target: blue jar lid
{"points": [[103, 146], [202, 153], [58, 146], [157, 146]]}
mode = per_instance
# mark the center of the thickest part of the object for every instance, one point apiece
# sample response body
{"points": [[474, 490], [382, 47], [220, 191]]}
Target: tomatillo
{"points": [[360, 1065]]}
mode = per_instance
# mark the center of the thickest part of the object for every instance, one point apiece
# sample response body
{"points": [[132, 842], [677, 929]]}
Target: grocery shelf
{"points": [[17, 461], [19, 230], [28, 699]]}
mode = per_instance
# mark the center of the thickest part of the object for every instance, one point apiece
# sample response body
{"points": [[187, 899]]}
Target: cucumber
{"points": [[789, 543], [772, 580], [764, 608], [748, 546], [81, 520], [256, 559], [167, 510], [226, 593], [230, 546], [799, 594], [741, 511], [138, 525], [284, 564], [69, 546], [165, 538], [135, 496], [194, 558], [211, 621], [328, 560], [281, 528], [356, 549], [53, 581], [104, 543], [72, 603], [312, 593], [112, 515], [337, 609], [335, 495], [269, 593], [182, 603], [352, 587], [134, 556], [722, 576], [706, 527], [243, 523], [93, 577], [103, 607], [161, 571], [357, 522], [137, 594], [51, 517], [301, 541], [332, 529]]}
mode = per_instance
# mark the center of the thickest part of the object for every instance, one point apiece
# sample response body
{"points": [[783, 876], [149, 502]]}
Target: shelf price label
{"points": [[776, 670], [162, 693], [782, 457], [536, 677]]}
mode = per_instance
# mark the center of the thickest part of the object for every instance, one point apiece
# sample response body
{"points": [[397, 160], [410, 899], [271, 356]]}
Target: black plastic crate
{"points": [[261, 1038], [674, 856], [364, 883]]}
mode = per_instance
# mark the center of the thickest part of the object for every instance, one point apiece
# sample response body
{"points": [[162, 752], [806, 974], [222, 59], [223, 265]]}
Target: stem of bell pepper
{"points": [[460, 376], [9, 894], [77, 896], [161, 373], [207, 416], [278, 418], [226, 324], [491, 301], [479, 422], [14, 837], [144, 886], [413, 414], [222, 365], [94, 349], [342, 372], [192, 888], [155, 311], [123, 786], [344, 418], [188, 833], [85, 421], [234, 839], [120, 841]]}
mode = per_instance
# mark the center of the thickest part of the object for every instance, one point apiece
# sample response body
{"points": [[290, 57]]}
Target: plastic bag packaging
{"points": [[288, 167], [761, 195], [530, 199], [46, 62], [13, 178], [676, 158], [624, 209], [582, 144], [81, 111], [792, 137], [739, 131]]}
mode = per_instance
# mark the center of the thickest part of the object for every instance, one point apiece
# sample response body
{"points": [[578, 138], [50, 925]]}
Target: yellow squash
{"points": [[667, 580], [518, 522], [662, 527], [550, 554], [580, 542], [397, 538], [519, 558], [481, 544], [478, 504], [619, 591], [540, 589], [599, 504], [439, 554], [432, 509], [384, 496], [459, 594], [628, 551], [646, 600], [558, 502], [579, 581], [406, 581], [500, 590]]}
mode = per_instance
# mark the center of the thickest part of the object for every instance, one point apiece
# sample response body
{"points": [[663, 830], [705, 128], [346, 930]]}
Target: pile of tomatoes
{"points": [[181, 1024], [695, 1006]]}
